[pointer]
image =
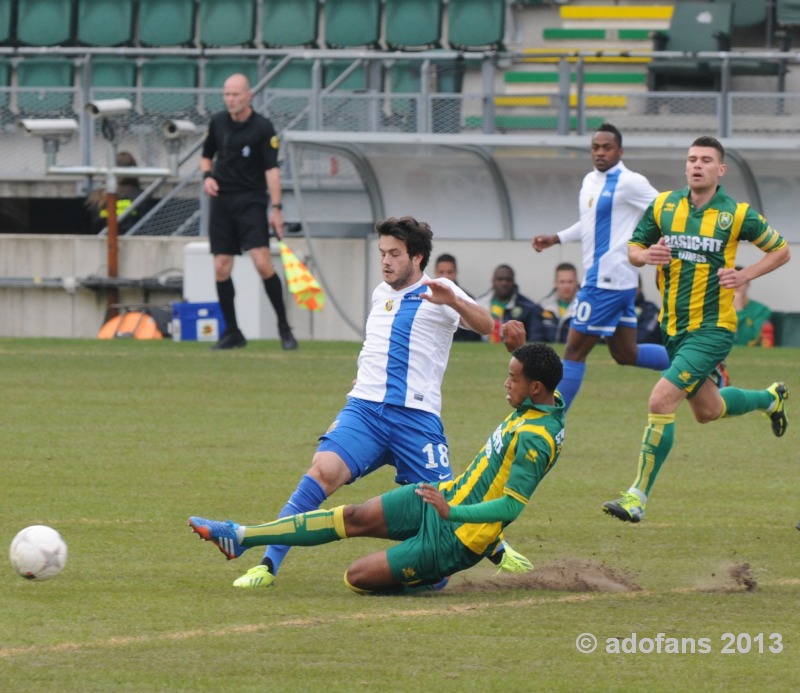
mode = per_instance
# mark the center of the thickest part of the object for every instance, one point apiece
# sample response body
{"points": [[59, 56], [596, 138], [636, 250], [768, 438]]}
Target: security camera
{"points": [[108, 107], [48, 127], [173, 129]]}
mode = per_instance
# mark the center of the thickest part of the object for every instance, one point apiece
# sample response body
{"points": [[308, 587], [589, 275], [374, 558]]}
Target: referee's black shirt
{"points": [[244, 151]]}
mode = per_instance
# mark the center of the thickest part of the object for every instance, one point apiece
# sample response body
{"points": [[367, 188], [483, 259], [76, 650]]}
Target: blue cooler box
{"points": [[197, 322]]}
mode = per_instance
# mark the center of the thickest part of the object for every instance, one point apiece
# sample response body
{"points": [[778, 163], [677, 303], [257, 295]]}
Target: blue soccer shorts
{"points": [[600, 311], [368, 435]]}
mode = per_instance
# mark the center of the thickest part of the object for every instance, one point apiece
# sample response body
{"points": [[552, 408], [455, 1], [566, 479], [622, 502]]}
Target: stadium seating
{"points": [[350, 23], [44, 22], [105, 22], [166, 23], [476, 24], [225, 23], [747, 13], [287, 23], [167, 85], [113, 77], [5, 21], [695, 26], [45, 86], [289, 94], [413, 24], [405, 83], [787, 13], [701, 26], [339, 110]]}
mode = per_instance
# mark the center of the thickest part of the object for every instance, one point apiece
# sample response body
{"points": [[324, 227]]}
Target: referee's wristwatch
{"points": [[277, 206]]}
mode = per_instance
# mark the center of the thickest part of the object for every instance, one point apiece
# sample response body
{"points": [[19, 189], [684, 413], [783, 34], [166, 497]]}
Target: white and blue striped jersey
{"points": [[610, 205], [406, 349]]}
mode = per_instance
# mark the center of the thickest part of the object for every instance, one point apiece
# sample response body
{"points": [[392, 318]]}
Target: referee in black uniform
{"points": [[239, 152]]}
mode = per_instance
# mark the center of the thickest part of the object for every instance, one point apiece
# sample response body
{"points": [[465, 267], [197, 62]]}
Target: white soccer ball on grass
{"points": [[38, 553]]}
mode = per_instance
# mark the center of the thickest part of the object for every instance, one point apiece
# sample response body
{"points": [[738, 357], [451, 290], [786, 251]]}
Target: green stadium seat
{"points": [[288, 94], [105, 22], [351, 23], [113, 77], [44, 22], [748, 13], [290, 23], [476, 24], [5, 21], [166, 23], [344, 113], [168, 86], [44, 86], [217, 70], [695, 26], [355, 81], [226, 23], [700, 26], [787, 12], [405, 78], [413, 24]]}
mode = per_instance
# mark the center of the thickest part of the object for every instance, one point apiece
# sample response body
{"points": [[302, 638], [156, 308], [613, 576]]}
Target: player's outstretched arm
{"points": [[475, 317]]}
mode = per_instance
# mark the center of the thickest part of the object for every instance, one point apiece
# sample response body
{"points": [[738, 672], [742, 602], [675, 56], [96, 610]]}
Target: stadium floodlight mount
{"points": [[176, 129], [103, 108], [49, 127]]}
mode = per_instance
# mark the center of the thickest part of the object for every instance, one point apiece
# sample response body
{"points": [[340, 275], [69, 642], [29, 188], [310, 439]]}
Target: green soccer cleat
{"points": [[257, 577], [629, 508], [778, 415], [513, 561]]}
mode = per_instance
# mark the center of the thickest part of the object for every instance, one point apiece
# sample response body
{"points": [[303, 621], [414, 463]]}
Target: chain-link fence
{"points": [[417, 94]]}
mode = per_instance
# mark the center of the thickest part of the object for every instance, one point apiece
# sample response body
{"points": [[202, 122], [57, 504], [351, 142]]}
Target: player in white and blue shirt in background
{"points": [[612, 200], [392, 416]]}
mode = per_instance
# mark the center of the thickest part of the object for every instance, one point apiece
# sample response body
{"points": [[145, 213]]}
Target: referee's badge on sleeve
{"points": [[274, 142]]}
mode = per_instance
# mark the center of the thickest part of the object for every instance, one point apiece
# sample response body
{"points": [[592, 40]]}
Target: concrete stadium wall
{"points": [[349, 268]]}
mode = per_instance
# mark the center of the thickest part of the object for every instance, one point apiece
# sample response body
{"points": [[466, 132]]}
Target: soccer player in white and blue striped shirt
{"points": [[611, 202]]}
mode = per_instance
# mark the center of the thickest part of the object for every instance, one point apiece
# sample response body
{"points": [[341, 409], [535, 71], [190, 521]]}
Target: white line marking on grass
{"points": [[253, 628]]}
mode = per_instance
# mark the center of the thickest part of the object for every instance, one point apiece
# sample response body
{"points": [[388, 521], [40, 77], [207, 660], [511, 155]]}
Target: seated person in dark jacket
{"points": [[505, 303], [446, 267]]}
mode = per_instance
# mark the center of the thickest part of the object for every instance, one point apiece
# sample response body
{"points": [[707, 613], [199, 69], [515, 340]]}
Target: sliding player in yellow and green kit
{"points": [[442, 528], [692, 235]]}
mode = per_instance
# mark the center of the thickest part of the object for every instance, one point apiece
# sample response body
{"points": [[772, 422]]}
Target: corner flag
{"points": [[306, 290]]}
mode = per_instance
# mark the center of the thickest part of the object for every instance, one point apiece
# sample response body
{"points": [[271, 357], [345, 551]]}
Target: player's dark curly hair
{"points": [[608, 127], [540, 362], [417, 235]]}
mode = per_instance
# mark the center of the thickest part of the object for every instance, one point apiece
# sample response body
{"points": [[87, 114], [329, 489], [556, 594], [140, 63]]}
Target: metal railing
{"points": [[452, 93]]}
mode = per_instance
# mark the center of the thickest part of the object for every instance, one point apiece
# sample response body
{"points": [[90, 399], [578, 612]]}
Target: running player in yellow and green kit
{"points": [[442, 528], [692, 235]]}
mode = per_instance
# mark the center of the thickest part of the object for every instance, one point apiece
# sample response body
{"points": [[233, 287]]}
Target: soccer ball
{"points": [[38, 553]]}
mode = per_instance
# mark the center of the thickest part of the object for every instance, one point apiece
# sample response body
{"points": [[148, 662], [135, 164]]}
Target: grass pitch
{"points": [[116, 443]]}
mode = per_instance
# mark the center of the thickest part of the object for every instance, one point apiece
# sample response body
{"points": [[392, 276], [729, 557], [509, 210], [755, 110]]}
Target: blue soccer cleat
{"points": [[222, 534]]}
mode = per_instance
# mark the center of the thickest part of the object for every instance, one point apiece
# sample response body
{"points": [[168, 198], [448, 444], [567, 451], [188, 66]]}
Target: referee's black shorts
{"points": [[238, 223]]}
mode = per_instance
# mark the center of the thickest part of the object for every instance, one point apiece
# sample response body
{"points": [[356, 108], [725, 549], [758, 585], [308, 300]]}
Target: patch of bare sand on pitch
{"points": [[565, 575], [729, 577]]}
